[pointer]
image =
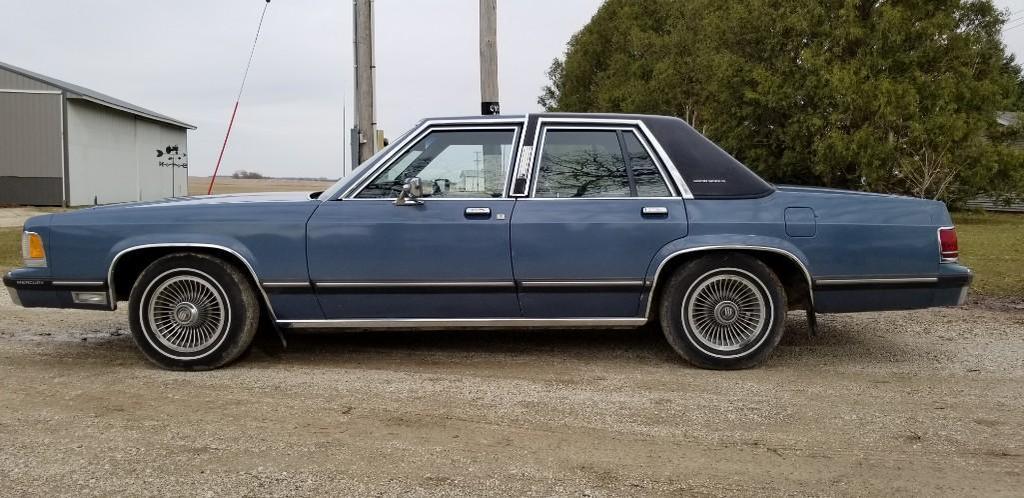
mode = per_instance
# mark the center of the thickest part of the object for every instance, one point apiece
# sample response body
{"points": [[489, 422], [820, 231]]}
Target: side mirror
{"points": [[411, 193]]}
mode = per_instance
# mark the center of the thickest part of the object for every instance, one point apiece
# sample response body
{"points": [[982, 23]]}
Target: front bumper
{"points": [[31, 292]]}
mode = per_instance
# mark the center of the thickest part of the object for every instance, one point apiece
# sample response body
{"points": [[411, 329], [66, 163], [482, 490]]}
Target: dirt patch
{"points": [[14, 217], [891, 403]]}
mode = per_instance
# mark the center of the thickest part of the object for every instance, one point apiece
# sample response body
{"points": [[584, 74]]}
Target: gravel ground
{"points": [[892, 403]]}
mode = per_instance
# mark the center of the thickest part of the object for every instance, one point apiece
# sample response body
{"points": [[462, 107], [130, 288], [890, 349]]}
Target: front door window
{"points": [[451, 164]]}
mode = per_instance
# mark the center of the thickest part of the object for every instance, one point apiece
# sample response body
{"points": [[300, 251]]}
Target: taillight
{"points": [[949, 249]]}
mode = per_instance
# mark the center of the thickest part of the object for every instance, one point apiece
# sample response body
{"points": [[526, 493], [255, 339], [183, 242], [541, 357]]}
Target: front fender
{"points": [[183, 240]]}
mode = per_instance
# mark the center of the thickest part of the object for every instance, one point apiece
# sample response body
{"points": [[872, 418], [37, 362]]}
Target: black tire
{"points": [[193, 311], [725, 311]]}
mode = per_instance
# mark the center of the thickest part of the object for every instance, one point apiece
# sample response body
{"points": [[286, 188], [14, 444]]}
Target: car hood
{"points": [[262, 197]]}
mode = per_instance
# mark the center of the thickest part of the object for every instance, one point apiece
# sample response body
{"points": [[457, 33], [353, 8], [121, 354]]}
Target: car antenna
{"points": [[245, 75]]}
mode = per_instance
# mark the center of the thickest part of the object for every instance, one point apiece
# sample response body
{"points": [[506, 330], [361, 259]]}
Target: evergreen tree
{"points": [[896, 96]]}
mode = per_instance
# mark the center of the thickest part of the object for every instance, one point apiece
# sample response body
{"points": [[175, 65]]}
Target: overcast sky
{"points": [[184, 58]]}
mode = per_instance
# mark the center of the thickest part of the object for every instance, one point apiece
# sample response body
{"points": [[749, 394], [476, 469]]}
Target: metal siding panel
{"points": [[156, 181], [14, 81], [30, 135], [30, 191], [101, 155]]}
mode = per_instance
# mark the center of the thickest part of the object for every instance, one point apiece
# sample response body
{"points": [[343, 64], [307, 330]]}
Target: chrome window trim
{"points": [[447, 323], [832, 282], [424, 127], [654, 283], [680, 183], [248, 266], [523, 171], [536, 159]]}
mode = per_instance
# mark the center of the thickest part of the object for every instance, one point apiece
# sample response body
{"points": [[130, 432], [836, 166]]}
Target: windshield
{"points": [[358, 171]]}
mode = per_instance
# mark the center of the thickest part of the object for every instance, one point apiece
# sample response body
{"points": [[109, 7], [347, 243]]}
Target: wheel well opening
{"points": [[790, 273], [130, 266]]}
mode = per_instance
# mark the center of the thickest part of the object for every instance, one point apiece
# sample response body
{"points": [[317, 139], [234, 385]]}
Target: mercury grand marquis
{"points": [[543, 220]]}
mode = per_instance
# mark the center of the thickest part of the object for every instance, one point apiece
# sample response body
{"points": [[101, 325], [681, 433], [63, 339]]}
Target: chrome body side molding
{"points": [[449, 323], [834, 282], [530, 284], [286, 285], [410, 285]]}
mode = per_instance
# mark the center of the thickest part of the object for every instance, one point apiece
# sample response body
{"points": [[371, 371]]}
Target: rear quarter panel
{"points": [[854, 235]]}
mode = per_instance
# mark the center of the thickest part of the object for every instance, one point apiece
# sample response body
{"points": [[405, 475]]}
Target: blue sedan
{"points": [[544, 220]]}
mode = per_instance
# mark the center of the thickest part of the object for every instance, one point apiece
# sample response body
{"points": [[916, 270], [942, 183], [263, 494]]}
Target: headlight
{"points": [[32, 252]]}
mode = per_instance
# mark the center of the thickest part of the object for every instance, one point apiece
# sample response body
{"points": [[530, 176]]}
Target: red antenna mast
{"points": [[238, 99]]}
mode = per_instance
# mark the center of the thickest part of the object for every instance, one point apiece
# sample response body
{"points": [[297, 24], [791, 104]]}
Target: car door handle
{"points": [[654, 211], [478, 211]]}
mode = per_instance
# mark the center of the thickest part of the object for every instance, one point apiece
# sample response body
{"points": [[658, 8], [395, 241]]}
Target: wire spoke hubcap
{"points": [[187, 313], [726, 312]]}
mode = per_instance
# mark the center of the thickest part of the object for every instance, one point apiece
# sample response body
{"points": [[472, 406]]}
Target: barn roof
{"points": [[79, 92]]}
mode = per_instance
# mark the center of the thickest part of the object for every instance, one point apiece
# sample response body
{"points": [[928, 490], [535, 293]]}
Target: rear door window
{"points": [[596, 164]]}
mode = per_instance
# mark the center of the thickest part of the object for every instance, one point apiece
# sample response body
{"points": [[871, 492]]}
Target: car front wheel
{"points": [[193, 312], [724, 311]]}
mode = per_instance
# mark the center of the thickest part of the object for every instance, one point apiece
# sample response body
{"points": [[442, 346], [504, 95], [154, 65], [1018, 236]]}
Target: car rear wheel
{"points": [[193, 312], [724, 311]]}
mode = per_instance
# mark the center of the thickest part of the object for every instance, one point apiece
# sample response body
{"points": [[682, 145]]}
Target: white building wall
{"points": [[112, 156], [164, 174]]}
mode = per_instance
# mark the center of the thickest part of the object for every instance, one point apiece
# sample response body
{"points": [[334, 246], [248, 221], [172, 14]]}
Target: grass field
{"points": [[10, 248], [989, 244]]}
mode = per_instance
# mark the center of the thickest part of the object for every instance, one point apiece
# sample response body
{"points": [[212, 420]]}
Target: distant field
{"points": [[197, 185]]}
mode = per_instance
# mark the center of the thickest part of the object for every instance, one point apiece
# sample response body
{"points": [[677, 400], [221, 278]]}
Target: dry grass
{"points": [[990, 245], [197, 185], [10, 248]]}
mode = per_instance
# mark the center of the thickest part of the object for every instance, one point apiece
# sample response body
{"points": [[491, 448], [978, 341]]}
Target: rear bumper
{"points": [[949, 288], [31, 292]]}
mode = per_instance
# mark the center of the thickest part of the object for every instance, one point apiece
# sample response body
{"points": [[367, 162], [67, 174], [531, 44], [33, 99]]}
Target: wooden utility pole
{"points": [[493, 176], [489, 57], [365, 129]]}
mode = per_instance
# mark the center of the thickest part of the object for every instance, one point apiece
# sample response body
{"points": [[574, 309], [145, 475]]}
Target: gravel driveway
{"points": [[891, 403]]}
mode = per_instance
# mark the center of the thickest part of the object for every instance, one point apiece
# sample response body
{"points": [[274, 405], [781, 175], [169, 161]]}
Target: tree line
{"points": [[898, 96]]}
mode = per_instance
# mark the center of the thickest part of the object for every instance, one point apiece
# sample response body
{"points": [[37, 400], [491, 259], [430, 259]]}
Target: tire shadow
{"points": [[839, 340]]}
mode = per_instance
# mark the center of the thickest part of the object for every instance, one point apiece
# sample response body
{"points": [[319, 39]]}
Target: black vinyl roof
{"points": [[709, 171]]}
